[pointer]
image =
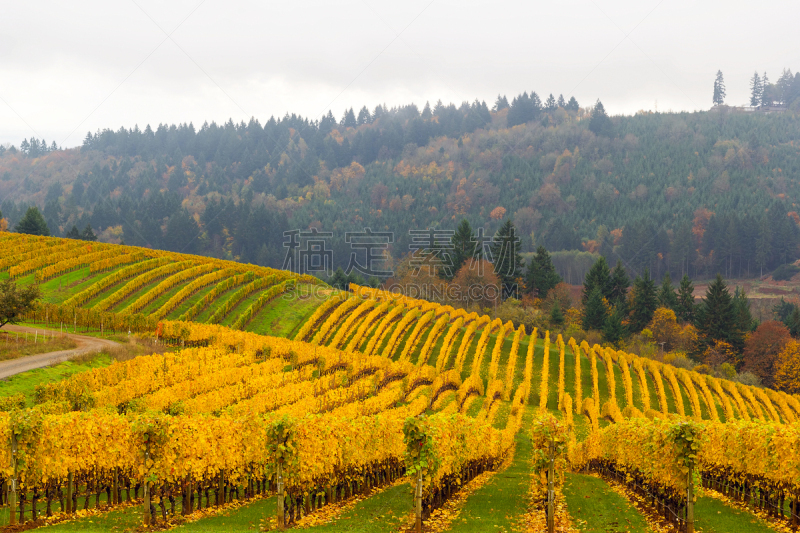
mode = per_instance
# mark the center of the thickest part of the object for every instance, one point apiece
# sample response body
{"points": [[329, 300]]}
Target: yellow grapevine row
{"points": [[73, 263], [119, 259], [167, 284], [52, 255], [221, 310], [120, 275], [191, 288], [263, 298], [140, 281], [221, 287], [317, 315]]}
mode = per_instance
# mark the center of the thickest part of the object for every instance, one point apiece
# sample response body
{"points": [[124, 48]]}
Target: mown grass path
{"points": [[500, 504], [383, 512], [715, 516], [596, 508]]}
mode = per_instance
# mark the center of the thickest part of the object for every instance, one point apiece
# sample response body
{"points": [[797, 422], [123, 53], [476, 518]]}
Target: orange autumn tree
{"points": [[787, 375], [762, 349]]}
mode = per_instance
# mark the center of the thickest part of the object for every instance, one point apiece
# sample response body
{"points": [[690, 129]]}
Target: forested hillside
{"points": [[695, 193]]}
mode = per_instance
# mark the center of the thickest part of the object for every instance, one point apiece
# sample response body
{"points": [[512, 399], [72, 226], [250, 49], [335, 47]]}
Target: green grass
{"points": [[380, 513], [26, 382], [125, 519], [282, 316], [189, 302], [594, 507], [715, 516], [156, 304], [245, 519], [501, 502], [60, 288]]}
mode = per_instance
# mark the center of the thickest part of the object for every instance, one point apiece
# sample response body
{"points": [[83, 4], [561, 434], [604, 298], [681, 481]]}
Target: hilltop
{"points": [[684, 192]]}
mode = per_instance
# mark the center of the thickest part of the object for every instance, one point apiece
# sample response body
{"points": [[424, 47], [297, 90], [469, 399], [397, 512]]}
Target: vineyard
{"points": [[119, 288], [352, 394]]}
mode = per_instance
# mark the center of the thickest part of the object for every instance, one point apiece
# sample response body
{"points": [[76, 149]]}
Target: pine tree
{"points": [[686, 307], [613, 330], [364, 116], [464, 243], [744, 318], [644, 302], [349, 119], [618, 285], [594, 311], [550, 103], [508, 263], [572, 105], [719, 89], [500, 103], [598, 277], [32, 223], [666, 296], [600, 124], [561, 102], [87, 234], [716, 318], [556, 316], [73, 233], [755, 90], [766, 91], [541, 275]]}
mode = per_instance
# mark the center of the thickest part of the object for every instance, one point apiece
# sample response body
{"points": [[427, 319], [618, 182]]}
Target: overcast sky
{"points": [[70, 67]]}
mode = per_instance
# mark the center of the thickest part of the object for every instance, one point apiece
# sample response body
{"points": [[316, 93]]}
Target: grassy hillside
{"points": [[128, 280]]}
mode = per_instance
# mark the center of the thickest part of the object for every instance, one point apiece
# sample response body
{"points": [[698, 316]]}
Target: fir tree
{"points": [[561, 102], [542, 275], [686, 307], [556, 316], [550, 103], [508, 262], [500, 103], [598, 277], [744, 318], [666, 296], [600, 124], [644, 302], [464, 247], [755, 90], [719, 89], [572, 105], [87, 234], [793, 322], [594, 311], [716, 318], [73, 233], [618, 285], [613, 330], [766, 92], [349, 119], [32, 223]]}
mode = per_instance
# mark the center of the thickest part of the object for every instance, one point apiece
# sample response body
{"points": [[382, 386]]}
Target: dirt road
{"points": [[23, 364]]}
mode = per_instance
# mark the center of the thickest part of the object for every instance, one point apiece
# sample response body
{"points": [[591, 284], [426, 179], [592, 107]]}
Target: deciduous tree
{"points": [[15, 302], [762, 347]]}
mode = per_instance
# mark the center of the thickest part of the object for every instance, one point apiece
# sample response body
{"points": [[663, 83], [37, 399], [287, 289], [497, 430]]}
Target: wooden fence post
{"points": [[418, 501], [690, 503], [281, 510], [70, 478], [146, 487], [551, 493], [12, 493]]}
